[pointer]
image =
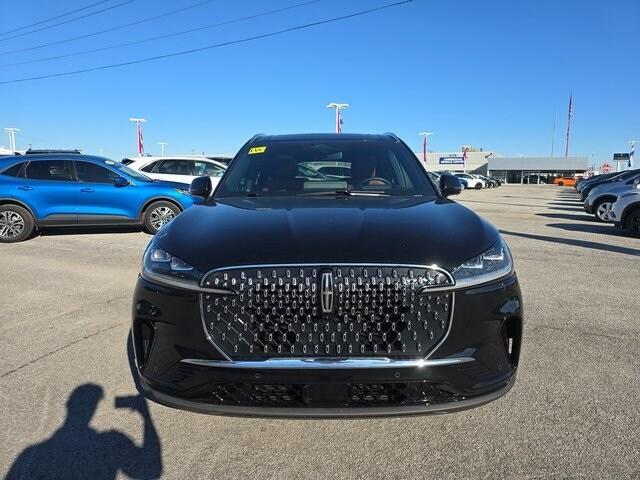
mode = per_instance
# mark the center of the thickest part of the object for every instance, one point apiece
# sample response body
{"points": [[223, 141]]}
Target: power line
{"points": [[68, 21], [54, 18], [161, 37], [209, 47], [137, 22]]}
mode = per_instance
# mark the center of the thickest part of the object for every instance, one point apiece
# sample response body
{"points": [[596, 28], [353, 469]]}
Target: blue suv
{"points": [[57, 190]]}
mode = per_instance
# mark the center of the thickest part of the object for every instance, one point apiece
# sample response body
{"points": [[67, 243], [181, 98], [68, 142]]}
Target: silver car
{"points": [[601, 198], [625, 212]]}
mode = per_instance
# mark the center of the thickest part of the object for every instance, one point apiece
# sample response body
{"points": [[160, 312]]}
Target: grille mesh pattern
{"points": [[343, 395], [298, 312]]}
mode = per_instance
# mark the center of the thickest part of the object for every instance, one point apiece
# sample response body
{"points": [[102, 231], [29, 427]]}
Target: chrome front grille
{"points": [[327, 311]]}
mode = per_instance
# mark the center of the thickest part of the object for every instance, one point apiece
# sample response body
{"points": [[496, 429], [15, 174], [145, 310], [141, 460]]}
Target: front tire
{"points": [[602, 210], [478, 186], [561, 184], [158, 214], [16, 224]]}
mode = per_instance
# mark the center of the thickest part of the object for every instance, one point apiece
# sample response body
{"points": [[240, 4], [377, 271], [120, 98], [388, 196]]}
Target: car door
{"points": [[49, 187], [104, 196]]}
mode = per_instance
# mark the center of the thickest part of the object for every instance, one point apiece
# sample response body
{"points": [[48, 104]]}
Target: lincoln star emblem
{"points": [[326, 292]]}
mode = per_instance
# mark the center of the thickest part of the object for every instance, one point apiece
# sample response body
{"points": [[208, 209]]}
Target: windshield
{"points": [[317, 167], [131, 172]]}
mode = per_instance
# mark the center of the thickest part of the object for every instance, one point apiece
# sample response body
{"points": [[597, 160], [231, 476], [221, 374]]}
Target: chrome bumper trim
{"points": [[327, 363]]}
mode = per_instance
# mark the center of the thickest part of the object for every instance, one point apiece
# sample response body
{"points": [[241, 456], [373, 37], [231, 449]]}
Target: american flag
{"points": [[339, 122], [632, 154], [140, 143]]}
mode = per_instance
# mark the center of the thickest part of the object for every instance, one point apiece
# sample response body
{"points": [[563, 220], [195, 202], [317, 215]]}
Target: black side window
{"points": [[92, 173], [149, 168], [174, 167], [15, 170], [206, 168], [49, 170]]}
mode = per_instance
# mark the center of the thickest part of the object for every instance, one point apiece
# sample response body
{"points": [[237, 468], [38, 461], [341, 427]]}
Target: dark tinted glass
{"points": [[149, 168], [278, 168], [48, 170], [92, 173], [174, 167], [14, 171]]}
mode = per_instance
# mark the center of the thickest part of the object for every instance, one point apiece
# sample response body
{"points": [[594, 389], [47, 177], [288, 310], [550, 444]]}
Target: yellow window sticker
{"points": [[254, 150]]}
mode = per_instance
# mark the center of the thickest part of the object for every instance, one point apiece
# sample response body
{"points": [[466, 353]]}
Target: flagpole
{"points": [[553, 138], [425, 136], [566, 149]]}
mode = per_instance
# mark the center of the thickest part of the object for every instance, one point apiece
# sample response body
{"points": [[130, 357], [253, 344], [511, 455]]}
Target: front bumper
{"points": [[588, 207], [475, 364]]}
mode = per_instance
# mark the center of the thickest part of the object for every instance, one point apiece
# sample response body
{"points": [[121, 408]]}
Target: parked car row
{"points": [[44, 189], [613, 198], [473, 180]]}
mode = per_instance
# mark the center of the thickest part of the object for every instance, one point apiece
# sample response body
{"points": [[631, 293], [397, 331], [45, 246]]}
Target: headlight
{"points": [[490, 265], [162, 267]]}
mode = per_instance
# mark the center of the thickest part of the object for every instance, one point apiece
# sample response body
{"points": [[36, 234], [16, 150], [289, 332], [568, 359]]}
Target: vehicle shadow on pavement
{"points": [[575, 243], [76, 450], [567, 209], [600, 228], [568, 216]]}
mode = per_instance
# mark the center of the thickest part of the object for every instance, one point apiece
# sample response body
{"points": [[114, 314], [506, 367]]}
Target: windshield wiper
{"points": [[344, 193]]}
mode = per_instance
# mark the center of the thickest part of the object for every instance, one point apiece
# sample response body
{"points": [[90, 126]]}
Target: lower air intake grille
{"points": [[334, 395], [317, 311]]}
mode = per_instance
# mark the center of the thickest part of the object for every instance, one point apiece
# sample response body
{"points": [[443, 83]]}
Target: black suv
{"points": [[370, 293]]}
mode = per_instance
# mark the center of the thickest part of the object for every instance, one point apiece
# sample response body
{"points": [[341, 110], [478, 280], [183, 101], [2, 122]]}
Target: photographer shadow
{"points": [[76, 450]]}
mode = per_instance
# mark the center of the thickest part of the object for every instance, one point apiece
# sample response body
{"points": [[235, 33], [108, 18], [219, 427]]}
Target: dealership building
{"points": [[511, 169]]}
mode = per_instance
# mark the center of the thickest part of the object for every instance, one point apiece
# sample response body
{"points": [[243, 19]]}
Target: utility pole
{"points": [[162, 145], [138, 122], [12, 137], [338, 107], [553, 138], [566, 149], [425, 141]]}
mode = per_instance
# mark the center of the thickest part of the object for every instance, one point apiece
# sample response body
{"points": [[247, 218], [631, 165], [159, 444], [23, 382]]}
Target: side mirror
{"points": [[450, 184], [201, 187], [121, 182]]}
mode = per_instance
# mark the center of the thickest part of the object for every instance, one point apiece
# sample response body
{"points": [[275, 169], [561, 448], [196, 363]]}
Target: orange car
{"points": [[565, 181]]}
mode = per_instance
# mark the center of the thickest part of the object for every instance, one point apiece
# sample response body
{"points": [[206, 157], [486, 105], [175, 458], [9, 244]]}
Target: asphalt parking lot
{"points": [[574, 411]]}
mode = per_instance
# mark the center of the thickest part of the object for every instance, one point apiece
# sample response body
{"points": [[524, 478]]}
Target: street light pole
{"points": [[138, 121], [425, 136], [162, 145], [12, 137], [338, 107]]}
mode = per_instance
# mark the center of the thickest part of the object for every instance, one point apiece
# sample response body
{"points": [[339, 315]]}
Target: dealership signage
{"points": [[620, 157], [451, 160]]}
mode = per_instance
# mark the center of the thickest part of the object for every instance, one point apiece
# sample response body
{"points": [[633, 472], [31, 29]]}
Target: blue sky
{"points": [[491, 74]]}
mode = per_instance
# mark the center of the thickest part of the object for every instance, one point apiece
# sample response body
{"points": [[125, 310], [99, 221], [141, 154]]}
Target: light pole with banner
{"points": [[425, 141]]}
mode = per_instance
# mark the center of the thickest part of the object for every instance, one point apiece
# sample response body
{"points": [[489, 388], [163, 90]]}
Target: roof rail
{"points": [[32, 151], [393, 136]]}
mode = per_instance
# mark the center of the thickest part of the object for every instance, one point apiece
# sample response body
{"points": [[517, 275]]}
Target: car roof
{"points": [[324, 136], [54, 156], [176, 157]]}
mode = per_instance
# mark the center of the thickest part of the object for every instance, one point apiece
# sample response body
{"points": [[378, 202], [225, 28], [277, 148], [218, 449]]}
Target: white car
{"points": [[472, 180], [625, 212], [178, 168]]}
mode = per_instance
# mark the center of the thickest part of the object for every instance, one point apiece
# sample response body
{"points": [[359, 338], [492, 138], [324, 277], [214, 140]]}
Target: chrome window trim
{"points": [[426, 290]]}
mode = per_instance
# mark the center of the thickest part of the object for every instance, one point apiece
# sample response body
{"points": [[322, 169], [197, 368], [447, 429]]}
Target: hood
{"points": [[168, 184], [256, 231], [613, 187]]}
